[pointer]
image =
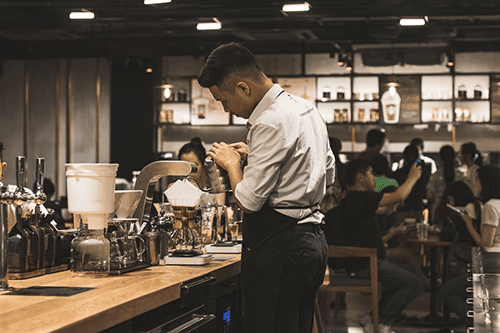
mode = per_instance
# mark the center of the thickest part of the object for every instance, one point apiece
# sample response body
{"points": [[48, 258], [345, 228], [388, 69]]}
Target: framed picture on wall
{"points": [[205, 110]]}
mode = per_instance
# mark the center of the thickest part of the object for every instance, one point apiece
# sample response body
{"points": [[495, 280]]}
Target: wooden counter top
{"points": [[117, 298]]}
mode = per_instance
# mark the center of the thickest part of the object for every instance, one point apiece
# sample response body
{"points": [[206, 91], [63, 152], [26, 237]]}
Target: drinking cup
{"points": [[422, 231]]}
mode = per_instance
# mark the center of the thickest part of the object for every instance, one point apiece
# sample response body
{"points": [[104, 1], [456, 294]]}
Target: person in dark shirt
{"points": [[414, 202], [354, 223]]}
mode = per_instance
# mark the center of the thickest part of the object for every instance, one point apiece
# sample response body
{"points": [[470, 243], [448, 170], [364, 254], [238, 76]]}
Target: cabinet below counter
{"points": [[108, 302]]}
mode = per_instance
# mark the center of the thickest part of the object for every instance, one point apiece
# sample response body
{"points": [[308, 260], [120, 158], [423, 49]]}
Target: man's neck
{"points": [[358, 187]]}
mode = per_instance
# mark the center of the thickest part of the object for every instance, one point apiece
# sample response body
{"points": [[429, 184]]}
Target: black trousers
{"points": [[303, 273]]}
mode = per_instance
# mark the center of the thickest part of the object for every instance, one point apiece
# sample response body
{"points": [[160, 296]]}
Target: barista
{"points": [[289, 166]]}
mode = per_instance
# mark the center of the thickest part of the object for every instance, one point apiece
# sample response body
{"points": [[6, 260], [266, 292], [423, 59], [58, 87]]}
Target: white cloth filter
{"points": [[183, 193]]}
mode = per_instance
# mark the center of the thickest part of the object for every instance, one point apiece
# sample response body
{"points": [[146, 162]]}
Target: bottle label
{"points": [[391, 111]]}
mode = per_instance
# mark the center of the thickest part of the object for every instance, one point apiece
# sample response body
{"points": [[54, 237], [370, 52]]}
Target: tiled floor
{"points": [[360, 304]]}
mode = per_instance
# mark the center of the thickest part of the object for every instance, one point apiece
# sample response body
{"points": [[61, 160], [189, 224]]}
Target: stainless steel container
{"points": [[154, 240], [216, 177]]}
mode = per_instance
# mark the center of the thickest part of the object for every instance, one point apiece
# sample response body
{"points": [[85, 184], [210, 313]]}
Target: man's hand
{"points": [[415, 171], [241, 148], [224, 155]]}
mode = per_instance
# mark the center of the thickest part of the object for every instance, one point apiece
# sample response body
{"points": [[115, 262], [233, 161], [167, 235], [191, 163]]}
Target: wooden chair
{"points": [[341, 282]]}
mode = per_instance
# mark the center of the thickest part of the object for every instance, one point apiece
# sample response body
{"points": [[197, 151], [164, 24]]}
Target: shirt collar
{"points": [[264, 104]]}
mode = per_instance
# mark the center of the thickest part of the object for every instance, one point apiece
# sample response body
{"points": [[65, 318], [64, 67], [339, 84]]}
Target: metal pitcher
{"points": [[216, 177]]}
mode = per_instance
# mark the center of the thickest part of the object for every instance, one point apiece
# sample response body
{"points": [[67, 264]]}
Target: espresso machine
{"points": [[185, 244]]}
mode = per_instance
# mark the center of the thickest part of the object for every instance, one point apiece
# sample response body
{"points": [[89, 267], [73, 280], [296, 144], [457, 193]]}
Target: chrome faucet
{"points": [[149, 176], [18, 197]]}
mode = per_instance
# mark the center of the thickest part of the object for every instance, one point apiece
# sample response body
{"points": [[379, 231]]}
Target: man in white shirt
{"points": [[419, 143], [289, 166]]}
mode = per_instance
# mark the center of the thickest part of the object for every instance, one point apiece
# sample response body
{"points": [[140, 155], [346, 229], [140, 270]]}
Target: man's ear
{"points": [[3, 166], [243, 88]]}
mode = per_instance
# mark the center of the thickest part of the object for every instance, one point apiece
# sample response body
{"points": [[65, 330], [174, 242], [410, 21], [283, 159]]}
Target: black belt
{"points": [[308, 226]]}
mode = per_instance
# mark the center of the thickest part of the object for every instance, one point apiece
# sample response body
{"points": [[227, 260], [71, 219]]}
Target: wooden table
{"points": [[433, 242], [114, 300]]}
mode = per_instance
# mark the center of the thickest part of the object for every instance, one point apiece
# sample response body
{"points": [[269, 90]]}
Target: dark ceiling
{"points": [[130, 28]]}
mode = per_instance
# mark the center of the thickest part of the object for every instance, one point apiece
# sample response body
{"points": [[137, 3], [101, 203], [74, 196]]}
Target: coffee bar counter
{"points": [[98, 304]]}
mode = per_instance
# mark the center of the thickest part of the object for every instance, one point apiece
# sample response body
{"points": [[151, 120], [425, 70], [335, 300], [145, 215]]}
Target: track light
{"points": [[341, 60], [451, 60], [349, 64]]}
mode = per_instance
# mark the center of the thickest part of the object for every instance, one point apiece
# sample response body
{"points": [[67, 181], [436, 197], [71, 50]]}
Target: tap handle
{"points": [[40, 169], [20, 174]]}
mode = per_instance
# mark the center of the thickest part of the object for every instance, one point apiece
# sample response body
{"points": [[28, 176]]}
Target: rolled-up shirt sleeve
{"points": [[267, 149]]}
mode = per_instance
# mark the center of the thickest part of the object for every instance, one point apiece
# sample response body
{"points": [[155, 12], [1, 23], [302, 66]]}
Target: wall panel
{"points": [[41, 136], [82, 107], [12, 115]]}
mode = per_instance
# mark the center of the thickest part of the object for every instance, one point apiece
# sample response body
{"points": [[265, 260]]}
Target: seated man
{"points": [[354, 223]]}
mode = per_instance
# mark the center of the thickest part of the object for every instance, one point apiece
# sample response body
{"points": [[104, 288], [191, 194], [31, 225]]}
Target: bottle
{"points": [[462, 91], [478, 92], [19, 244], [390, 105], [326, 94], [340, 93], [90, 253], [361, 115], [445, 114], [435, 114]]}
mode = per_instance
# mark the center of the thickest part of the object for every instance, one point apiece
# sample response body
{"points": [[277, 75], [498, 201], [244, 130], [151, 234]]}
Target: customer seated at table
{"points": [[414, 202], [375, 140], [381, 170], [397, 251], [471, 159], [354, 223], [487, 185], [446, 174]]}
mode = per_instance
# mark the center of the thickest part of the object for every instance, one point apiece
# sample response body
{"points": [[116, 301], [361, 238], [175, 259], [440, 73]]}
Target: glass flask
{"points": [[90, 253]]}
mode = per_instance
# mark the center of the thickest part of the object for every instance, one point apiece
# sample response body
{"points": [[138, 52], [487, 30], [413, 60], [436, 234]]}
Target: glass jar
{"points": [[462, 91], [90, 253], [326, 94], [478, 91], [340, 93]]}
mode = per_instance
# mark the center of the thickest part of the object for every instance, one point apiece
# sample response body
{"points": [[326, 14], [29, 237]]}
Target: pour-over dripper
{"points": [[185, 238]]}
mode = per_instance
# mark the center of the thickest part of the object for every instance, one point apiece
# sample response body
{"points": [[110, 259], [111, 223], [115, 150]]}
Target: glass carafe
{"points": [[90, 253]]}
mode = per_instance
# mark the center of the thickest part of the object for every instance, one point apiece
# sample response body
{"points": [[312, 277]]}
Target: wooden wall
{"points": [[58, 109]]}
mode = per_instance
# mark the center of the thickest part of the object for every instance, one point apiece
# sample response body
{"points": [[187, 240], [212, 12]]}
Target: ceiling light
{"points": [[156, 2], [296, 7], [81, 15], [341, 60], [212, 25], [348, 65], [412, 22], [451, 60]]}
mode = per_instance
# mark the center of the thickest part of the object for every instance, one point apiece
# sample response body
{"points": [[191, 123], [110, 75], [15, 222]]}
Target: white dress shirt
{"points": [[290, 163]]}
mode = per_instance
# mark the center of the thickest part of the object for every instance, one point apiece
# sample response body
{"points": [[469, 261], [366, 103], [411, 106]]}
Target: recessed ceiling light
{"points": [[412, 22], [296, 7], [156, 2], [81, 15], [211, 25]]}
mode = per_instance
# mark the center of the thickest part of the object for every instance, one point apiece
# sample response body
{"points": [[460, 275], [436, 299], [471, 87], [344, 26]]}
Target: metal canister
{"points": [[154, 240]]}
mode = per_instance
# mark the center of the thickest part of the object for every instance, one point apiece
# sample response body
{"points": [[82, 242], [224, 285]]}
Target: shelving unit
{"points": [[356, 99]]}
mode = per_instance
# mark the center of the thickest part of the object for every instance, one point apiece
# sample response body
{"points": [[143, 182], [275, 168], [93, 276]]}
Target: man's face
{"points": [[3, 166], [235, 101], [367, 180]]}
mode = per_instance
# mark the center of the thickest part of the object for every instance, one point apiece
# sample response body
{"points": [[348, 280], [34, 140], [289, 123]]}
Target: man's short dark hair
{"points": [[379, 164], [353, 168], [417, 142], [375, 137], [226, 60]]}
